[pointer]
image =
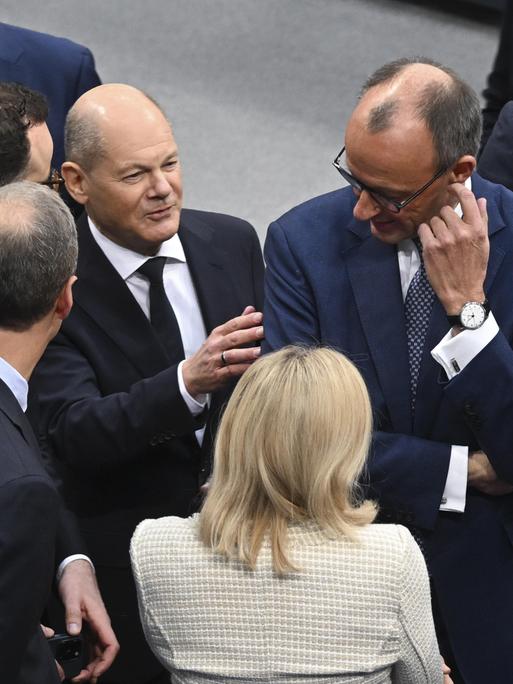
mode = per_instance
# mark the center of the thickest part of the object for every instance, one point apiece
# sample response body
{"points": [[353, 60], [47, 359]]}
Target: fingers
{"points": [[448, 223], [239, 338], [246, 321], [47, 631], [60, 671], [481, 203], [226, 353], [105, 658], [245, 356], [472, 209], [73, 619]]}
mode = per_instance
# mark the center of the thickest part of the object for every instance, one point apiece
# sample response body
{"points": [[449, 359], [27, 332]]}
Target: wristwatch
{"points": [[472, 315]]}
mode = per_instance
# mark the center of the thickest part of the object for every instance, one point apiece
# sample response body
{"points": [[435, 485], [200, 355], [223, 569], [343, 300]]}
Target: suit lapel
{"points": [[374, 274], [211, 272], [103, 294]]}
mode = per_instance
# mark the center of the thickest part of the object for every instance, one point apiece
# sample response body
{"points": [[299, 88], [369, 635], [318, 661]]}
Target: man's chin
{"points": [[390, 232]]}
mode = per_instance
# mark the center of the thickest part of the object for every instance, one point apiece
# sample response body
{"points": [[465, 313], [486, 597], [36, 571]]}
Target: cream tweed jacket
{"points": [[355, 612]]}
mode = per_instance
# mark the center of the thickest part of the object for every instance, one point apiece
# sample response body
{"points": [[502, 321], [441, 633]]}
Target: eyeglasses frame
{"points": [[361, 187]]}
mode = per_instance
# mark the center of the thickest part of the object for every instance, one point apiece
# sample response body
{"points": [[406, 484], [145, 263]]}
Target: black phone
{"points": [[68, 652]]}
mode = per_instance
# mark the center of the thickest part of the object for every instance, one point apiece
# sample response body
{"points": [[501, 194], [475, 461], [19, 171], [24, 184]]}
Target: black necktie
{"points": [[162, 316], [417, 310]]}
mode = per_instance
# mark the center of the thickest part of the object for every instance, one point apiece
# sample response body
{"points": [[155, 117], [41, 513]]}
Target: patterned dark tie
{"points": [[417, 310], [162, 316]]}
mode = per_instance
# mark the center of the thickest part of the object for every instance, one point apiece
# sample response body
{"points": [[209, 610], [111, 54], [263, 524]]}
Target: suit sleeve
{"points": [[87, 76], [290, 315], [482, 393], [406, 473], [98, 432], [27, 537], [69, 540]]}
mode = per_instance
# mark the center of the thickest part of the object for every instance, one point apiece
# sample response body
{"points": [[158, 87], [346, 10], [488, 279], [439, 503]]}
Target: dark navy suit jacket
{"points": [[329, 282], [496, 160], [29, 521], [57, 67]]}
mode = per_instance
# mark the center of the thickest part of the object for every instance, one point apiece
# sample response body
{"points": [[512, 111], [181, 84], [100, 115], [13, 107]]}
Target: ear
{"points": [[462, 169], [76, 181], [65, 300]]}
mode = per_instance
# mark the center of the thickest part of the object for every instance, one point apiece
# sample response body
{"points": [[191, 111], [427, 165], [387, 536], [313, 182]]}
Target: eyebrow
{"points": [[137, 166]]}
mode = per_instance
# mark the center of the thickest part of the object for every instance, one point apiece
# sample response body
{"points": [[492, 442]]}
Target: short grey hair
{"points": [[83, 142], [38, 252], [451, 112]]}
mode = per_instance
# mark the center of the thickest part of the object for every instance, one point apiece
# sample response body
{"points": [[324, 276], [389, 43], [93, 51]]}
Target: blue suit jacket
{"points": [[57, 67], [496, 160], [330, 282]]}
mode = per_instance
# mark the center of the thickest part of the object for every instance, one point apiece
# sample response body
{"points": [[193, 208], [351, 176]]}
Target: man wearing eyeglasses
{"points": [[409, 271]]}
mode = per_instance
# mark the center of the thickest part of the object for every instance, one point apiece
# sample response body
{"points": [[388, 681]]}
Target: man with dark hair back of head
{"points": [[38, 252], [164, 323], [409, 271], [25, 143]]}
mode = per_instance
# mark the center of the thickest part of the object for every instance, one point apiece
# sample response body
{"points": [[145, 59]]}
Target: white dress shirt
{"points": [[453, 354], [19, 387], [180, 291]]}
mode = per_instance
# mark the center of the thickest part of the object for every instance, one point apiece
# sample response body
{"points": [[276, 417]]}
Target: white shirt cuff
{"points": [[70, 559], [197, 404], [455, 492], [454, 353]]}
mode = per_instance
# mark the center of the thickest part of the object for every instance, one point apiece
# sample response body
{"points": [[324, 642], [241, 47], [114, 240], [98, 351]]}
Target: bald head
{"points": [[99, 113], [123, 166], [413, 93]]}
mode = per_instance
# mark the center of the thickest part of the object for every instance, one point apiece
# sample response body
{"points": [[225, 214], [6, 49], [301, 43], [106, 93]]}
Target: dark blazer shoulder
{"points": [[322, 225], [223, 227], [496, 159], [16, 39]]}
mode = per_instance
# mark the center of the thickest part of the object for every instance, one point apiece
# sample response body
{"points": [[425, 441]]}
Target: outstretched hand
{"points": [[222, 355]]}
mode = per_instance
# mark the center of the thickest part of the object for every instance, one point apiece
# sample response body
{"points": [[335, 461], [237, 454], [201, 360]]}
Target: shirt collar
{"points": [[126, 261], [15, 382]]}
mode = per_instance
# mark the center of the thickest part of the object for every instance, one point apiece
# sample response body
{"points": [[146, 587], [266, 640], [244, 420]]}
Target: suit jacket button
{"points": [[468, 408]]}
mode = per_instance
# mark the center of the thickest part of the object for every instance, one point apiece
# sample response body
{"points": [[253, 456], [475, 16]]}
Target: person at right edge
{"points": [[409, 271]]}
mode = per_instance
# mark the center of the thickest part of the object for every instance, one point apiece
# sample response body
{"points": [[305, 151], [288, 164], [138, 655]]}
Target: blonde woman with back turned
{"points": [[281, 579]]}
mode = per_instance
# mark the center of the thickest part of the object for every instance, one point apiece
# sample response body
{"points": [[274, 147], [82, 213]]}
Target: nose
{"points": [[160, 185], [366, 207]]}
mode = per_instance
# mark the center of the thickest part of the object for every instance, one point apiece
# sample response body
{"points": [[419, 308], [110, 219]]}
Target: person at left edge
{"points": [[25, 154], [38, 251]]}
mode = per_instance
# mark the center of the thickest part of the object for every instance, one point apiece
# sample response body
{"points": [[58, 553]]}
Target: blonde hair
{"points": [[291, 444]]}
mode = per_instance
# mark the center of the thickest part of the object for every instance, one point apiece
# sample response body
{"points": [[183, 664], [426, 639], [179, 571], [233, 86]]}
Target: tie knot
{"points": [[153, 268], [418, 245]]}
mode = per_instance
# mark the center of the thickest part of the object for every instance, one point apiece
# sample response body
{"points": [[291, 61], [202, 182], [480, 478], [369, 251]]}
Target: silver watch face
{"points": [[473, 315]]}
